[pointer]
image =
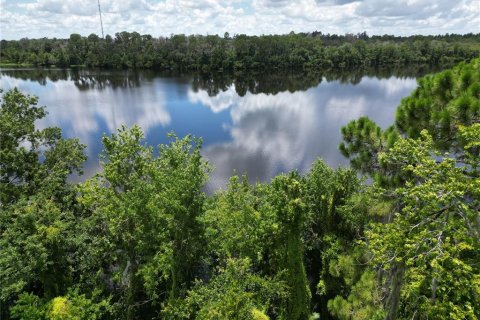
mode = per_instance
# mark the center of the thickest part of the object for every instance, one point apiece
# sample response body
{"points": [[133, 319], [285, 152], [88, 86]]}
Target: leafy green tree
{"points": [[441, 103], [38, 207], [285, 200], [29, 156], [73, 306], [434, 238], [143, 221], [35, 248], [234, 292], [237, 225], [429, 204], [363, 302], [76, 49], [329, 230]]}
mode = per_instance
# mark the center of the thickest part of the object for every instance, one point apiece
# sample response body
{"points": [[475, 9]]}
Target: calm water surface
{"points": [[259, 125]]}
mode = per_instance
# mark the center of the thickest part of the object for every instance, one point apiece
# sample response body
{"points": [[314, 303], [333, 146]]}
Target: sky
{"points": [[60, 18]]}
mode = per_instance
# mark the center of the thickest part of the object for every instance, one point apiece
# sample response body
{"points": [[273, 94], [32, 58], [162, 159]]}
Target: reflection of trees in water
{"points": [[42, 76], [269, 83], [273, 83], [100, 81], [83, 79]]}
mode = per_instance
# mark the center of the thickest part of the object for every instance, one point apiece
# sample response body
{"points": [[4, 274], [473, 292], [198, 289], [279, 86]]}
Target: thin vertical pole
{"points": [[100, 12]]}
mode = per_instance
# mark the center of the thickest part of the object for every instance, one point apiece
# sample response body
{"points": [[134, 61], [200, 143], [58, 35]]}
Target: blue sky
{"points": [[60, 18]]}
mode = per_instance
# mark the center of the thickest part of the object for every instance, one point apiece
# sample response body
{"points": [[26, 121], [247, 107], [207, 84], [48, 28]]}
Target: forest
{"points": [[394, 236], [212, 53]]}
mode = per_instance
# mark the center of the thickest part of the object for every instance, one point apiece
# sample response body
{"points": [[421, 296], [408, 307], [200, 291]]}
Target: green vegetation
{"points": [[312, 51], [141, 240], [441, 104], [425, 169]]}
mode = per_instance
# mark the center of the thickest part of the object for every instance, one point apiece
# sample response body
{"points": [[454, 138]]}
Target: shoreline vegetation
{"points": [[213, 53], [141, 240]]}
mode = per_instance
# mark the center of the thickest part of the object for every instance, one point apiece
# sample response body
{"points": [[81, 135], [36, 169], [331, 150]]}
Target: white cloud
{"points": [[80, 8], [405, 8], [60, 18]]}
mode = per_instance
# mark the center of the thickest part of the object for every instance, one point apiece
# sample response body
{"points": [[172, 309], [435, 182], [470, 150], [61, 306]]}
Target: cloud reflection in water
{"points": [[285, 131], [259, 133], [89, 112]]}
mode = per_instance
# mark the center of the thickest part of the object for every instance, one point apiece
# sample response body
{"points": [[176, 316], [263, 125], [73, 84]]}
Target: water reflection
{"points": [[256, 124], [278, 82], [272, 133], [253, 82]]}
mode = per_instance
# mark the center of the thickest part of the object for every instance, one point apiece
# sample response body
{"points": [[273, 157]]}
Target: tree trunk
{"points": [[395, 289]]}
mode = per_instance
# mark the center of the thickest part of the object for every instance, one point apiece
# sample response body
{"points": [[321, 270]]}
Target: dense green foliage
{"points": [[141, 240], [425, 170], [212, 53], [441, 104], [434, 238]]}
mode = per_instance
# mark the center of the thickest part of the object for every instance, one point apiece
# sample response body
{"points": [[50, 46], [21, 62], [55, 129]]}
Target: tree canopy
{"points": [[309, 51], [141, 239]]}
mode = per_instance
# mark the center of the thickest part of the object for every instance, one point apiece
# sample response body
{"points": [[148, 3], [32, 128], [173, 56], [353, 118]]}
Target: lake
{"points": [[258, 124]]}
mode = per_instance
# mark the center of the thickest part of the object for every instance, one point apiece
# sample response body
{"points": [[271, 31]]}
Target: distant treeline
{"points": [[241, 52]]}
